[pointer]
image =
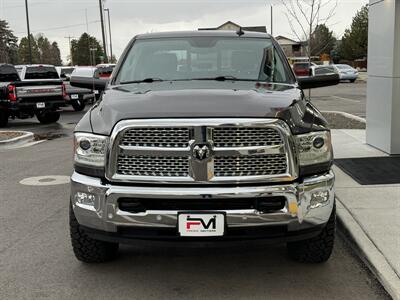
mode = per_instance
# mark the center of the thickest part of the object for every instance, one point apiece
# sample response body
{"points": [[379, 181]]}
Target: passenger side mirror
{"points": [[90, 83], [318, 81]]}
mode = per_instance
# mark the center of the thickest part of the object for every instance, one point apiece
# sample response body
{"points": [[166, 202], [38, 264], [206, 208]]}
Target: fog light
{"points": [[85, 198], [319, 199]]}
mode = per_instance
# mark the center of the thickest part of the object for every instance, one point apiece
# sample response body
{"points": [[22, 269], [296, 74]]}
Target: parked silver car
{"points": [[346, 72]]}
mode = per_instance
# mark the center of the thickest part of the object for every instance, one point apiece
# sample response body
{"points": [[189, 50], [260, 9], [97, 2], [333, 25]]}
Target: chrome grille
{"points": [[153, 166], [245, 137], [257, 165], [170, 137], [166, 151]]}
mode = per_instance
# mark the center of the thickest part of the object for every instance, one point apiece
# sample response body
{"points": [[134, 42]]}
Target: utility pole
{"points": [[109, 31], [93, 56], [29, 31], [70, 48], [102, 30], [272, 21]]}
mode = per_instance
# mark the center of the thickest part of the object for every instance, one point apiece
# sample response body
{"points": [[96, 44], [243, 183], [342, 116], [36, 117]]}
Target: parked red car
{"points": [[301, 69]]}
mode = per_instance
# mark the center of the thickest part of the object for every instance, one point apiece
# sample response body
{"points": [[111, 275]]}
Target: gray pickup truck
{"points": [[36, 90], [203, 136]]}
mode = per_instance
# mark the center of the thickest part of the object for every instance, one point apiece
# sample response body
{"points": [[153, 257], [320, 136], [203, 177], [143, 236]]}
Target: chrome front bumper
{"points": [[308, 204]]}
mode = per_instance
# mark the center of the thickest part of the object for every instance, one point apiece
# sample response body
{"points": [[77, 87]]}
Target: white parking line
{"points": [[346, 99]]}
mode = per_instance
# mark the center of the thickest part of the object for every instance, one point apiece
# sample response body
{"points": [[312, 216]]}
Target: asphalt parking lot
{"points": [[347, 97], [36, 259]]}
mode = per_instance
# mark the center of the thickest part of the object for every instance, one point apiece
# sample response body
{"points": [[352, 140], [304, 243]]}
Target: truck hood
{"points": [[199, 100]]}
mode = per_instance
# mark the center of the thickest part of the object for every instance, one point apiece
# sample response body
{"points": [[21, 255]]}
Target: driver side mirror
{"points": [[90, 83], [318, 81]]}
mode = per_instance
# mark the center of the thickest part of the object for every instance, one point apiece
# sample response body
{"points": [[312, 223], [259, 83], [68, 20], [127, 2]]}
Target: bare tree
{"points": [[305, 15]]}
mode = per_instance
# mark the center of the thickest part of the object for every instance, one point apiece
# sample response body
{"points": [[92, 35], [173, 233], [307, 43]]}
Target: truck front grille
{"points": [[245, 137], [153, 166], [157, 137], [201, 151], [257, 165]]}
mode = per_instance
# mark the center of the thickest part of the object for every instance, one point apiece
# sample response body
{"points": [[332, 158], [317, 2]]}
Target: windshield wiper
{"points": [[146, 80], [224, 78]]}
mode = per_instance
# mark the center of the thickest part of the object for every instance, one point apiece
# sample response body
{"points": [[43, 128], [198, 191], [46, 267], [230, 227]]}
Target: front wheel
{"points": [[78, 105], [85, 248], [48, 117], [3, 118], [317, 249], [352, 80]]}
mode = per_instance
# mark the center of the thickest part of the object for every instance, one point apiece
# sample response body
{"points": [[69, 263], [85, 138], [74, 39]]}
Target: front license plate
{"points": [[40, 105], [74, 97], [201, 224]]}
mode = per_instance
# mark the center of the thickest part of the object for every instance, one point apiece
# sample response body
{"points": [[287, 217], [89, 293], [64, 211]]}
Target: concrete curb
{"points": [[368, 252], [343, 120], [25, 138]]}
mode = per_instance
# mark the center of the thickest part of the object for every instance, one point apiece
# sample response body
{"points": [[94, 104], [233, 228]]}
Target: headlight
{"points": [[90, 149], [314, 148]]}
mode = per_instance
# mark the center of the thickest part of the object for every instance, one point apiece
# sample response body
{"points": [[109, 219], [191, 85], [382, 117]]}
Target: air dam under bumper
{"points": [[308, 204]]}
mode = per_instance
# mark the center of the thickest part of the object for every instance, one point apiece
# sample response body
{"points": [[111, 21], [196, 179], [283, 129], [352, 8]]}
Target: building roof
{"points": [[216, 33], [287, 41], [244, 28]]}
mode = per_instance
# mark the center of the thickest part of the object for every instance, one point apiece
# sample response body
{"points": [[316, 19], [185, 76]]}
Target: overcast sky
{"points": [[58, 19]]}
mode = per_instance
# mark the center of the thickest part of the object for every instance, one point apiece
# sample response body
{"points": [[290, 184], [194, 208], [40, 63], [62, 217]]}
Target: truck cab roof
{"points": [[205, 33]]}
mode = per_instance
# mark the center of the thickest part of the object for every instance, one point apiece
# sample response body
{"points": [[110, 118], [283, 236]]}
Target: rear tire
{"points": [[48, 117], [85, 248], [78, 105], [317, 249], [352, 80], [3, 118]]}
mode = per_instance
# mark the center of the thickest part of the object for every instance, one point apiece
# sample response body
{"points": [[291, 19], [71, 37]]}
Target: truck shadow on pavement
{"points": [[243, 271]]}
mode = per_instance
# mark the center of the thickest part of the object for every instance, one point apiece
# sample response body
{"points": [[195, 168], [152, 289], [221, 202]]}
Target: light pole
{"points": [[29, 31], [102, 30], [272, 21], [109, 31], [70, 47]]}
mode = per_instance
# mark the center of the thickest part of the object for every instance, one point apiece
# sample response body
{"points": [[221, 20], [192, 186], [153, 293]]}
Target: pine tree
{"points": [[8, 44], [323, 40], [23, 51], [355, 40], [86, 51]]}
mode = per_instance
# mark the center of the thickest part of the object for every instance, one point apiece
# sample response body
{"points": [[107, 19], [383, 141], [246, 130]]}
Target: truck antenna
{"points": [[240, 31]]}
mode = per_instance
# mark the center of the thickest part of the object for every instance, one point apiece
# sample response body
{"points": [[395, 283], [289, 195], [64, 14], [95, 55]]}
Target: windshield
{"points": [[203, 58], [343, 67], [67, 71], [41, 72]]}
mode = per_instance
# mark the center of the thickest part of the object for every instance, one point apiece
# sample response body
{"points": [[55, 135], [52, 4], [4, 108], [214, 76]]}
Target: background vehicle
{"points": [[318, 70], [104, 70], [301, 68], [346, 72], [77, 97], [37, 91], [203, 136]]}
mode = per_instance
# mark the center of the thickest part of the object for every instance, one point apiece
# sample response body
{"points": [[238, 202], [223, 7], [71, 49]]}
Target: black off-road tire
{"points": [[48, 117], [317, 249], [3, 118], [85, 248], [78, 105]]}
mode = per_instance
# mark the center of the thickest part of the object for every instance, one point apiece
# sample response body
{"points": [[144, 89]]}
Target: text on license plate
{"points": [[40, 105], [201, 224], [74, 96]]}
